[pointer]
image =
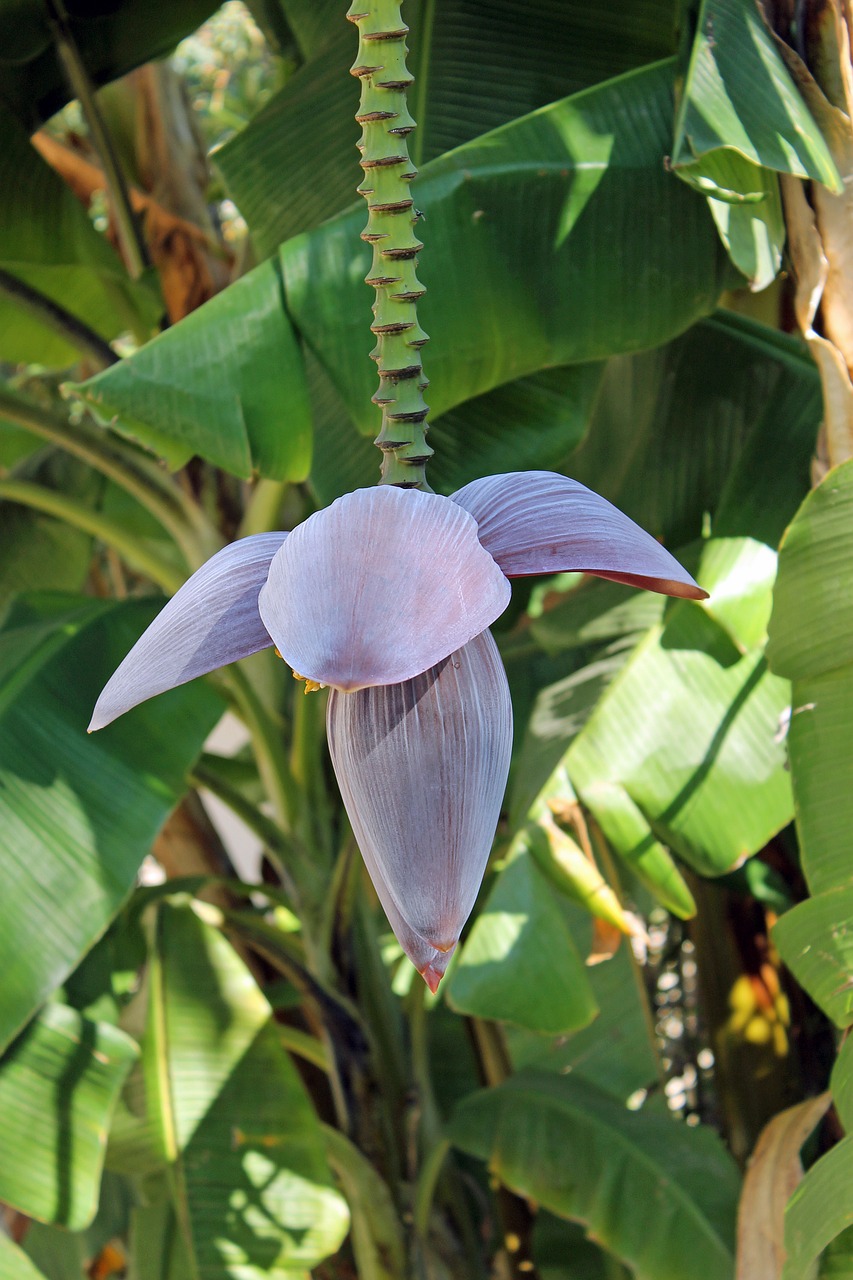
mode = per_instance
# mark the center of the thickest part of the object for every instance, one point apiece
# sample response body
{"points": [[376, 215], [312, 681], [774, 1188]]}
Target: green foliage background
{"points": [[215, 1077]]}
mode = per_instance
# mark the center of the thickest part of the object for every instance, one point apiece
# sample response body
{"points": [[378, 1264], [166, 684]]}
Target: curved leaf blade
{"points": [[58, 1084], [48, 242], [738, 93], [519, 964], [702, 760], [811, 631], [227, 382], [270, 167], [815, 939], [575, 1150], [112, 39], [15, 1265], [810, 641], [78, 814], [249, 1180], [596, 166], [819, 1210]]}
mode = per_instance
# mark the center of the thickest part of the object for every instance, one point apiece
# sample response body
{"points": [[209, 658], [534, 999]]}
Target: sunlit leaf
{"points": [[519, 963], [270, 167], [575, 1150], [15, 1265], [614, 1051], [226, 383], [249, 1179], [682, 748], [810, 642], [78, 813], [563, 300], [58, 1084], [48, 242], [746, 205], [819, 1210], [816, 942], [738, 94]]}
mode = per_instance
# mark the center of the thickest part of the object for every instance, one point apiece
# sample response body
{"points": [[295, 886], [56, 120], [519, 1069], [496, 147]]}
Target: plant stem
{"points": [[392, 216], [608, 862], [426, 1185], [494, 1059], [130, 239], [516, 1215], [56, 317], [262, 509], [306, 764], [303, 1045], [283, 849], [76, 513], [377, 1237], [121, 463], [267, 744]]}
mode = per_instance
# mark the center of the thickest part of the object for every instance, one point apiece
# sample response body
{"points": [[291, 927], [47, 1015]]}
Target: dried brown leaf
{"points": [[773, 1174]]}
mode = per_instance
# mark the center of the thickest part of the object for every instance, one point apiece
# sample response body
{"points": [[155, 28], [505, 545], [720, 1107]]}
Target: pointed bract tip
{"points": [[431, 977], [99, 720]]}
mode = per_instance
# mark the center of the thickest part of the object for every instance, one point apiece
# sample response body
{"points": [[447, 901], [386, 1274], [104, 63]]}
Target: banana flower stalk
{"points": [[386, 597]]}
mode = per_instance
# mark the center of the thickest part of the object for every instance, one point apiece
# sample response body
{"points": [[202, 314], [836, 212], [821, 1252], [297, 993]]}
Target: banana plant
{"points": [[564, 801]]}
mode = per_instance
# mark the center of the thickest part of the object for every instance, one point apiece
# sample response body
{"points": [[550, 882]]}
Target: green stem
{"points": [[392, 217], [335, 1021], [283, 849], [76, 513], [263, 507], [516, 1215], [377, 1237], [132, 244], [122, 464], [306, 761], [492, 1052], [611, 871], [61, 321], [303, 1045], [267, 744], [426, 1185], [430, 1120]]}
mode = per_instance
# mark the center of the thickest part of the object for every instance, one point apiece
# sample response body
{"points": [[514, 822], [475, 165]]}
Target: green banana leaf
{"points": [[573, 1149], [818, 1211], [738, 94], [560, 301], [699, 765], [242, 1141], [469, 79], [226, 383], [15, 1265], [112, 39], [58, 1084], [78, 813], [48, 242], [519, 963]]}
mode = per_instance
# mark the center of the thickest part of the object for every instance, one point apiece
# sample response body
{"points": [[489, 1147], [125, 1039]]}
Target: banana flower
{"points": [[386, 597]]}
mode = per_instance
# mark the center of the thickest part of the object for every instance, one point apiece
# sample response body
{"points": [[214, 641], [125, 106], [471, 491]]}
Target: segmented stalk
{"points": [[392, 217]]}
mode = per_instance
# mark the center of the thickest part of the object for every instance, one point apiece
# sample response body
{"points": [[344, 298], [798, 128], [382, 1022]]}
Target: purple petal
{"points": [[211, 620], [540, 522], [422, 767], [380, 586]]}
